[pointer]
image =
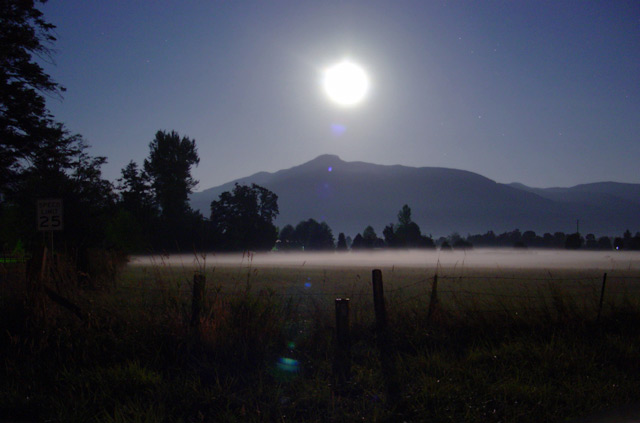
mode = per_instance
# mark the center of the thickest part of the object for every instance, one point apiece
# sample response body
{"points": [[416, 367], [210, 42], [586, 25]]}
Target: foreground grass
{"points": [[528, 350]]}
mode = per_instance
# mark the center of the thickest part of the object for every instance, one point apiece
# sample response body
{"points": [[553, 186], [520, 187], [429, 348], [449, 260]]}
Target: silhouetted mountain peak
{"points": [[351, 195], [324, 159]]}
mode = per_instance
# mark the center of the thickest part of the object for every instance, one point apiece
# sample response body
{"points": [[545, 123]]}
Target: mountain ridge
{"points": [[351, 195]]}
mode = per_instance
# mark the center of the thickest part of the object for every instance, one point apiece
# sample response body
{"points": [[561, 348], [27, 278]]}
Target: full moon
{"points": [[345, 83]]}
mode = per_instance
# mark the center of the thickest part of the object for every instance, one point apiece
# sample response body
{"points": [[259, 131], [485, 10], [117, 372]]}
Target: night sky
{"points": [[546, 93]]}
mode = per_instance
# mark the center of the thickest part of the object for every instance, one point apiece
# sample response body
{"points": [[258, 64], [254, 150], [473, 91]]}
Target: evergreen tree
{"points": [[342, 242], [27, 130]]}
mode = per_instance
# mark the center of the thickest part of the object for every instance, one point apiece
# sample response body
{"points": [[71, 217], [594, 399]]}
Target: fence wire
{"points": [[470, 292]]}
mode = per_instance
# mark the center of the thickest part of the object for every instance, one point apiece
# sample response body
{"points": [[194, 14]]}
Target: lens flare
{"points": [[289, 365]]}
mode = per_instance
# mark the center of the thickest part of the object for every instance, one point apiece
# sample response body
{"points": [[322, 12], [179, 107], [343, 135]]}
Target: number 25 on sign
{"points": [[49, 215]]}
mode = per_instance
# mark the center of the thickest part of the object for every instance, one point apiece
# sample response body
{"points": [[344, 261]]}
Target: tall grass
{"points": [[531, 351]]}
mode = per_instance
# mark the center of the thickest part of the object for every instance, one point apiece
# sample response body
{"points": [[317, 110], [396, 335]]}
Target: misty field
{"points": [[486, 280], [506, 336]]}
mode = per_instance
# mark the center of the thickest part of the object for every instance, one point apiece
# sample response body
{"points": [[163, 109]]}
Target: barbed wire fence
{"points": [[480, 293]]}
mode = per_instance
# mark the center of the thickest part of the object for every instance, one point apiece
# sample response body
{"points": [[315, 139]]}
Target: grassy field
{"points": [[503, 344]]}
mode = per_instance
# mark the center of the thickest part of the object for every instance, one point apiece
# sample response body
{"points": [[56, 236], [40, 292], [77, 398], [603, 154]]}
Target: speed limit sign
{"points": [[49, 215]]}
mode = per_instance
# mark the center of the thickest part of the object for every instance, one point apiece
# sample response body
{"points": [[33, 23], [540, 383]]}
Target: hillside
{"points": [[351, 195]]}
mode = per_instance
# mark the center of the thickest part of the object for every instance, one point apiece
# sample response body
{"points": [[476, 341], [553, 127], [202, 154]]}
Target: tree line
{"points": [[147, 208]]}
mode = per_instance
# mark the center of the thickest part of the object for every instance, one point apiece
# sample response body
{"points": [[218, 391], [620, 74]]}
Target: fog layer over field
{"points": [[477, 258]]}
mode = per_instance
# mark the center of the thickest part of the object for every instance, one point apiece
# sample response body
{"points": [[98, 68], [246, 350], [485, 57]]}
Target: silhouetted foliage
{"points": [[590, 242], [406, 233], [462, 244], [243, 219], [25, 123], [390, 236], [134, 225], [285, 238], [169, 170], [310, 235], [370, 238], [39, 158], [342, 242], [627, 242], [574, 241], [604, 243], [358, 242]]}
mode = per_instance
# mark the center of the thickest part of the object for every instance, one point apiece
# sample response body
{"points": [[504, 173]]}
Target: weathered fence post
{"points": [[199, 280], [604, 281], [342, 358], [433, 300], [383, 339]]}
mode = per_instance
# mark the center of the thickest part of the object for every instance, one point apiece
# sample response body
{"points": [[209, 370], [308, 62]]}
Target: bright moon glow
{"points": [[345, 83]]}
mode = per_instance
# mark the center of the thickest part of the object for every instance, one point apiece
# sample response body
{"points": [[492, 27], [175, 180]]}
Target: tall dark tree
{"points": [[169, 167], [39, 158], [342, 242], [358, 242], [243, 218], [25, 122], [370, 238], [404, 216], [407, 232], [169, 164]]}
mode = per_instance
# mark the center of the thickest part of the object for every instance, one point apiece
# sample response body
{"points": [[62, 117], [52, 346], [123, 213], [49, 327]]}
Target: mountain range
{"points": [[352, 195]]}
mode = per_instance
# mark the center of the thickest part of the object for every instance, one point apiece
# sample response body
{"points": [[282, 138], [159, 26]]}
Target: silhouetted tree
{"points": [[312, 235], [635, 242], [342, 242], [406, 233], [486, 240], [590, 242], [559, 239], [574, 241], [618, 243], [390, 236], [370, 238], [358, 242], [604, 243], [133, 225], [462, 244], [25, 123], [529, 238], [243, 218], [404, 216], [286, 238], [169, 168], [136, 194]]}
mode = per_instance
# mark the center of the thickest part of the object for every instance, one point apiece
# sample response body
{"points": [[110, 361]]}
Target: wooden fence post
{"points": [[383, 339], [342, 358], [199, 281], [604, 281]]}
